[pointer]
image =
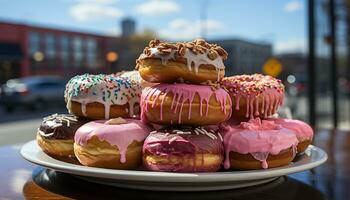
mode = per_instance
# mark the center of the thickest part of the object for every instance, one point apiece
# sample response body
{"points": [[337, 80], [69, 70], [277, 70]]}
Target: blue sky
{"points": [[281, 22]]}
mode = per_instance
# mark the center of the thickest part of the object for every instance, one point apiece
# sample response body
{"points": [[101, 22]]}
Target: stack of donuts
{"points": [[176, 113], [185, 106], [102, 129]]}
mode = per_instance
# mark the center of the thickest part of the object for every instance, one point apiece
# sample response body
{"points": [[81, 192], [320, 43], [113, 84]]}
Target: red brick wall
{"points": [[18, 33]]}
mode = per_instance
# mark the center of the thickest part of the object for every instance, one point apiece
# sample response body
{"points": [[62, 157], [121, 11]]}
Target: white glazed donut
{"points": [[102, 96]]}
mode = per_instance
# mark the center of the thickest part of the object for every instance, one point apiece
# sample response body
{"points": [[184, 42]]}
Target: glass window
{"points": [[50, 47], [322, 65], [91, 47], [64, 44], [343, 55], [34, 42], [78, 51]]}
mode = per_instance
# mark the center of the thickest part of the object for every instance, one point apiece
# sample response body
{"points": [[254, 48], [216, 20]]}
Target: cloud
{"points": [[157, 7], [293, 6], [115, 31], [186, 30], [93, 10], [290, 46], [97, 1]]}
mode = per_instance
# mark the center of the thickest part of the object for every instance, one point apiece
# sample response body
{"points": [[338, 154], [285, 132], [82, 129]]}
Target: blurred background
{"points": [[305, 43]]}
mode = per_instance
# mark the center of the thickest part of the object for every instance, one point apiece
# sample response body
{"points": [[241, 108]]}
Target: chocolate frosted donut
{"points": [[56, 134], [183, 150]]}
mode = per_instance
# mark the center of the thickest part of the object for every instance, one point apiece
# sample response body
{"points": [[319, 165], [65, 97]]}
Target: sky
{"points": [[280, 22]]}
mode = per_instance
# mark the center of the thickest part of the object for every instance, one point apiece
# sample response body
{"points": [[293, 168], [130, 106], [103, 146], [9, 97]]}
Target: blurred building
{"points": [[32, 50], [128, 27], [328, 63], [293, 64], [244, 56]]}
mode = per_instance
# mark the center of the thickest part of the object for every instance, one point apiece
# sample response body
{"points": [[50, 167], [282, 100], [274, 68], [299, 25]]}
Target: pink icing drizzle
{"points": [[258, 138], [300, 128], [181, 94], [121, 135], [253, 87]]}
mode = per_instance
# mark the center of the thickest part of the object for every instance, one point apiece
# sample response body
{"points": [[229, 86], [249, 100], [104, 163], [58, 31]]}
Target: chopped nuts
{"points": [[182, 51], [147, 51], [153, 43], [189, 45], [199, 42], [212, 54], [198, 46], [164, 51], [221, 52]]}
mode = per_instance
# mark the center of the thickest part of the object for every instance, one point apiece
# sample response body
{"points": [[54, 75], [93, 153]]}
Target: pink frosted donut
{"points": [[254, 95], [185, 104], [183, 149], [302, 130], [116, 143], [258, 144]]}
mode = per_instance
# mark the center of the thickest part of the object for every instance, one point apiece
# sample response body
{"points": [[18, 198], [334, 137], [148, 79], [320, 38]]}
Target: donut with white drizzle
{"points": [[183, 149], [102, 96], [56, 133], [254, 95], [190, 62], [185, 104]]}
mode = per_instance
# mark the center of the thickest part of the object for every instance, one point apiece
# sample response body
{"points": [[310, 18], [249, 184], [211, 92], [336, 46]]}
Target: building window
{"points": [[50, 47], [91, 50], [78, 51], [34, 42], [64, 44], [50, 50]]}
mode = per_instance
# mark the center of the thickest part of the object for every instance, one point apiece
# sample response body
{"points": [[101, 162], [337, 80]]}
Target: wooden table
{"points": [[20, 179]]}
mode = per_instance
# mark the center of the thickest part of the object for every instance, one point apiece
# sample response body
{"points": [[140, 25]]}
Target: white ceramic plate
{"points": [[147, 180]]}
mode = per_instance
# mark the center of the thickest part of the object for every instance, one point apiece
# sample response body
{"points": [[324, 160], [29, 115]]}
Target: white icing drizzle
{"points": [[198, 131], [105, 89], [196, 59]]}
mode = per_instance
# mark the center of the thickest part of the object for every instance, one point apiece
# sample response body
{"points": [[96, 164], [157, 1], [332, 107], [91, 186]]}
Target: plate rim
{"points": [[147, 176]]}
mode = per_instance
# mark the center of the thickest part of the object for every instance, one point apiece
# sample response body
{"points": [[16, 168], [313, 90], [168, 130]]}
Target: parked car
{"points": [[35, 92]]}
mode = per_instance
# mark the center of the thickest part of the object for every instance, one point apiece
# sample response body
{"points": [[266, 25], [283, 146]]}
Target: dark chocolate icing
{"points": [[60, 126]]}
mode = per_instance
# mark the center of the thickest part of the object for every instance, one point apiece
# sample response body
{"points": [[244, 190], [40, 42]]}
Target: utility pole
{"points": [[203, 18], [311, 63], [333, 62]]}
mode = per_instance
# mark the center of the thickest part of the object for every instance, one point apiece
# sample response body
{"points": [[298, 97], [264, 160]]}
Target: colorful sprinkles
{"points": [[252, 84], [106, 89], [263, 94]]}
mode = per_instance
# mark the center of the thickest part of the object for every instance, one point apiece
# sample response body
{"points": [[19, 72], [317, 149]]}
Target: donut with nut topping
{"points": [[190, 62]]}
